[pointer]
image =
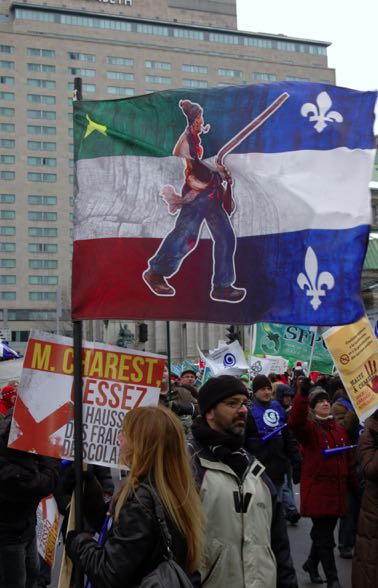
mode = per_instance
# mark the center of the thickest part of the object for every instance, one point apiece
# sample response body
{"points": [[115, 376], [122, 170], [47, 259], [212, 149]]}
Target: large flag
{"points": [[235, 204]]}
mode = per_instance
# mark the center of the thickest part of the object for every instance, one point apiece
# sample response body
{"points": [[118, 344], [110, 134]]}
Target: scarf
{"points": [[225, 447]]}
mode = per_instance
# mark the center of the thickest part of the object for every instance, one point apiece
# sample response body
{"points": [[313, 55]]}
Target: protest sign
{"points": [[115, 380], [47, 529], [260, 365], [354, 349], [293, 343]]}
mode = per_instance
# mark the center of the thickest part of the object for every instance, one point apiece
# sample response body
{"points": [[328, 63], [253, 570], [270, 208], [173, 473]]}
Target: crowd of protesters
{"points": [[210, 487]]}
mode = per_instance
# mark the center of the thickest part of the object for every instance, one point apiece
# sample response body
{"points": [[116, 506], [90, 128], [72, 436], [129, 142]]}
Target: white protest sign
{"points": [[260, 365], [115, 380], [227, 359]]}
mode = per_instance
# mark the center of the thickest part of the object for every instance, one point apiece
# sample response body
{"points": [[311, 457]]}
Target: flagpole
{"points": [[78, 406], [169, 359], [312, 349]]}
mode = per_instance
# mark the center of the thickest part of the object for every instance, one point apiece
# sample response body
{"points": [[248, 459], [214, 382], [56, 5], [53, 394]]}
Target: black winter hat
{"points": [[260, 381], [283, 390], [217, 389]]}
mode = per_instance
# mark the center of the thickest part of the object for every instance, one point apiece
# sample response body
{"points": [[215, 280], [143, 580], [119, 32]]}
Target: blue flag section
{"points": [[238, 204]]}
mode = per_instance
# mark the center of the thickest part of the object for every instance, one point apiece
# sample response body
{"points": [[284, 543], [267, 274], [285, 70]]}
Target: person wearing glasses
{"points": [[246, 541]]}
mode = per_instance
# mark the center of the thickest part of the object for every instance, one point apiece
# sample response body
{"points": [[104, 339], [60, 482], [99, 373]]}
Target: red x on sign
{"points": [[36, 436]]}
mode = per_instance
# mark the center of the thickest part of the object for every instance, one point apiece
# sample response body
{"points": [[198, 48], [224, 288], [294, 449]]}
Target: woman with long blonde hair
{"points": [[153, 447]]}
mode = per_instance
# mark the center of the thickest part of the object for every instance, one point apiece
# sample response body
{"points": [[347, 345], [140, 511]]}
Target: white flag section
{"points": [[115, 380], [47, 529], [260, 365], [227, 359]]}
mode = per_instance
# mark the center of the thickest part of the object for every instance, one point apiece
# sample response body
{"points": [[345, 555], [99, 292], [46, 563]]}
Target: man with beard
{"points": [[246, 539]]}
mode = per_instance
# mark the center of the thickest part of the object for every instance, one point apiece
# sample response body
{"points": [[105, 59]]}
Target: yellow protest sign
{"points": [[354, 349]]}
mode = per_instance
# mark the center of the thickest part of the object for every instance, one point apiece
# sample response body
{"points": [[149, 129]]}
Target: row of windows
{"points": [[32, 199], [11, 295], [166, 31], [32, 248], [31, 51], [43, 280]]}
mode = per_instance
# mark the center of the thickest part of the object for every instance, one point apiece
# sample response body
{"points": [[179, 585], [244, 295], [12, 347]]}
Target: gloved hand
{"points": [[71, 536], [305, 387]]}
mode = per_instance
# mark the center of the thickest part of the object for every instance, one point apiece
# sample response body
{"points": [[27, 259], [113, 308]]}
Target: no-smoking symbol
{"points": [[344, 358]]}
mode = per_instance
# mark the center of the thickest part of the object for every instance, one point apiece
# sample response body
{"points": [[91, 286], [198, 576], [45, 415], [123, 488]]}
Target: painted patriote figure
{"points": [[206, 196]]}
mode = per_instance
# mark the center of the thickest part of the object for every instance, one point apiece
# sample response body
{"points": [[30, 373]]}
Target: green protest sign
{"points": [[294, 343]]}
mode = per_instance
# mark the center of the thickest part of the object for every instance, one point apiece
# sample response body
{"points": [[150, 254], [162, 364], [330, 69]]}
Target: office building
{"points": [[119, 48]]}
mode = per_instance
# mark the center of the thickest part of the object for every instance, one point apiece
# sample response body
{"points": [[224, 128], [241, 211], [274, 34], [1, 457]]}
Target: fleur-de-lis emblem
{"points": [[313, 281], [321, 112]]}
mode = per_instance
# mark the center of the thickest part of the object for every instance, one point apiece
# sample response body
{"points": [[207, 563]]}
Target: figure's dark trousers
{"points": [[184, 237]]}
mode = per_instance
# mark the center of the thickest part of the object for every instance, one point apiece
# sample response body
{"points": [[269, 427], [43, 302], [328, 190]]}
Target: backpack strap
{"points": [[160, 517]]}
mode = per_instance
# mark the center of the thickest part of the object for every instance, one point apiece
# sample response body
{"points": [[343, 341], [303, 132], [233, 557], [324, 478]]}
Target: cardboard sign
{"points": [[115, 380], [354, 349]]}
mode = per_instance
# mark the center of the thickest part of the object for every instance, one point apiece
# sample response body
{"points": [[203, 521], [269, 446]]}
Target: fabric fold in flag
{"points": [[236, 204]]}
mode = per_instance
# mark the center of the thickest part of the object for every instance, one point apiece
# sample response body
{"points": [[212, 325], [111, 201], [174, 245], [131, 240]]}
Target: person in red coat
{"points": [[324, 479]]}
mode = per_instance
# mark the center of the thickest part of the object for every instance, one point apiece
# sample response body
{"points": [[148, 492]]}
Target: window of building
{"points": [[40, 99], [6, 95], [119, 75], [112, 60], [7, 49], [7, 127], [7, 214], [70, 148], [7, 159], [230, 73], [7, 231], [38, 215], [4, 111], [194, 83], [224, 38], [42, 232], [7, 198], [7, 279], [49, 84], [157, 65], [43, 280], [42, 114], [48, 161], [285, 46], [7, 263], [41, 67], [259, 43], [8, 295], [6, 64], [42, 296], [85, 87], [81, 71], [264, 77], [40, 130], [39, 177], [7, 175], [41, 315], [82, 56], [41, 146], [189, 34], [42, 248], [7, 80], [43, 264], [296, 79], [42, 200], [34, 52], [72, 200], [200, 69], [147, 29], [8, 247], [7, 143], [119, 91], [157, 80]]}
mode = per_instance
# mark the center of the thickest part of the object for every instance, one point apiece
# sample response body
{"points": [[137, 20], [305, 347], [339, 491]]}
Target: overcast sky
{"points": [[351, 27]]}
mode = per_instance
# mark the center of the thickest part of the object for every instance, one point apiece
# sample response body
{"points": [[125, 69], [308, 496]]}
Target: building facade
{"points": [[119, 48]]}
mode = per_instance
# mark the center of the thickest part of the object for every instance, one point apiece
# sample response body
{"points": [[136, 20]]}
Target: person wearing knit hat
{"points": [[323, 475], [206, 197], [233, 484], [260, 381]]}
